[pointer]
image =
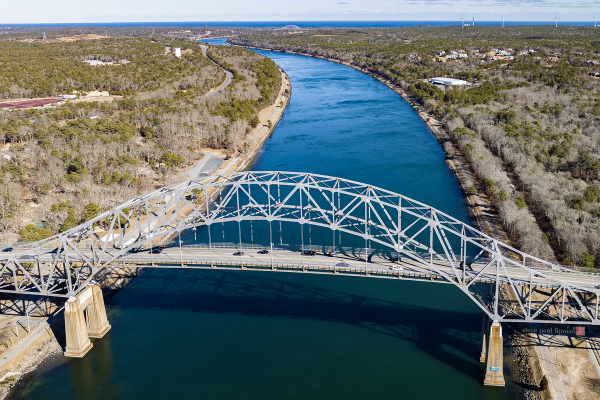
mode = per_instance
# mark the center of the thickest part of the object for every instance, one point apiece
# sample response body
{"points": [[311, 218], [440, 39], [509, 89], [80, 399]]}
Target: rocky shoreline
{"points": [[46, 352], [41, 357], [523, 358]]}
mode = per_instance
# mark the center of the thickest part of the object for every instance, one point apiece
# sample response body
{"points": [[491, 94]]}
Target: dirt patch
{"points": [[75, 38], [89, 98], [96, 93], [65, 39], [576, 371]]}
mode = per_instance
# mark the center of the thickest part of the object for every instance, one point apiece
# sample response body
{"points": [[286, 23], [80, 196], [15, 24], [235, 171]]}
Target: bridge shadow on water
{"points": [[450, 336]]}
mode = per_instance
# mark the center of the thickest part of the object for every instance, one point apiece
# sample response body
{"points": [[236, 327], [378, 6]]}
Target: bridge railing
{"points": [[360, 251]]}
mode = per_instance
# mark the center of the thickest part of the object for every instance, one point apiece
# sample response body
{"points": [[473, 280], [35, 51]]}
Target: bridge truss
{"points": [[507, 284]]}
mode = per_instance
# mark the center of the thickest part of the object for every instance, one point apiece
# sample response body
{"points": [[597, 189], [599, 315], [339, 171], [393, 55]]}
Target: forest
{"points": [[63, 165], [529, 123]]}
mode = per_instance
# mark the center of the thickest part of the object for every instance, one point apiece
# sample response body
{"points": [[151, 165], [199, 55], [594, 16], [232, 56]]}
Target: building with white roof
{"points": [[448, 82]]}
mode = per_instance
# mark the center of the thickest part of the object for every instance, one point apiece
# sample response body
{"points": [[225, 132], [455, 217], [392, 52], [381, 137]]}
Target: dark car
{"points": [[238, 253], [308, 253], [7, 250], [342, 264], [263, 252], [156, 250], [395, 259]]}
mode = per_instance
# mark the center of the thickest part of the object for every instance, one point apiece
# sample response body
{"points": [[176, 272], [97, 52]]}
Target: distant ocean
{"points": [[303, 24]]}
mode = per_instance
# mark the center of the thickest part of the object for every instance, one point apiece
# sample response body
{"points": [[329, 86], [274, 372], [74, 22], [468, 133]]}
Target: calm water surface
{"points": [[259, 335]]}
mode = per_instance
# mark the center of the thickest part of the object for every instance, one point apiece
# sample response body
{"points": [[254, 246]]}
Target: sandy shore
{"points": [[255, 139]]}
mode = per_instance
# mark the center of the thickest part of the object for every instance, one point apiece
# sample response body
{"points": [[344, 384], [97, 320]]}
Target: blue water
{"points": [[185, 334], [302, 24]]}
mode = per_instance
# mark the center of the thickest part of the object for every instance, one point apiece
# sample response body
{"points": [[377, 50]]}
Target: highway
{"points": [[350, 264]]}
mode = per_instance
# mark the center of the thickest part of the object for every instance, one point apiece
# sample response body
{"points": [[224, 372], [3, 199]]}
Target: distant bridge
{"points": [[289, 28], [404, 239]]}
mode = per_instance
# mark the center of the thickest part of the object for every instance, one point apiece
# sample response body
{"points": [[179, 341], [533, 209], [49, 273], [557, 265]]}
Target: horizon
{"points": [[270, 23], [42, 12]]}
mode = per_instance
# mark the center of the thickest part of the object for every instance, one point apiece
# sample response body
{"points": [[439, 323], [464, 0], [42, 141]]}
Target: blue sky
{"points": [[37, 11]]}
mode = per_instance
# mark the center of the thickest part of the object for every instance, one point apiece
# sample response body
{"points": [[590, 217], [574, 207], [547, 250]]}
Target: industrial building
{"points": [[448, 82]]}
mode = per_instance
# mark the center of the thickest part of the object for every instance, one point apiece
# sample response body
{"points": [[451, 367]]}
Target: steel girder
{"points": [[523, 288]]}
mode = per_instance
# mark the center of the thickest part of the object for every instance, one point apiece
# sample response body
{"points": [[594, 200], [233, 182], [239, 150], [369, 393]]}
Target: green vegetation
{"points": [[520, 202], [62, 169], [32, 234], [528, 122]]}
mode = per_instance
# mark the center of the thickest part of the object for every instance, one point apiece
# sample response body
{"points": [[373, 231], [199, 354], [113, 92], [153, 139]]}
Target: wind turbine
{"points": [[595, 21], [503, 22], [556, 19], [463, 20]]}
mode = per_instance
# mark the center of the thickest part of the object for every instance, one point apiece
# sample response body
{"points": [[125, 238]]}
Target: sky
{"points": [[73, 11]]}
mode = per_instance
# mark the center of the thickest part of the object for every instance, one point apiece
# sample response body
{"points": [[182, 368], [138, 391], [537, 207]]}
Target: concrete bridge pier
{"points": [[485, 329], [494, 371], [85, 317]]}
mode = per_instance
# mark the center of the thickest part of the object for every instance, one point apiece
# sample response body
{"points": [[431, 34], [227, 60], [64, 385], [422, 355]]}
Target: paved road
{"points": [[355, 263], [205, 167], [228, 76], [228, 79], [24, 343], [340, 263]]}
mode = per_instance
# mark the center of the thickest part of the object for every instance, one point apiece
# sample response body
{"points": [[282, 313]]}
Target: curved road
{"points": [[228, 77]]}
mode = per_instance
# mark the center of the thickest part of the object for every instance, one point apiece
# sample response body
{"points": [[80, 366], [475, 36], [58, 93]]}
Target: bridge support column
{"points": [[494, 371], [98, 325], [485, 328], [78, 342], [85, 317]]}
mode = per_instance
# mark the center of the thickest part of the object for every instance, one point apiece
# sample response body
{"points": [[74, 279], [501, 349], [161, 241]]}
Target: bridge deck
{"points": [[350, 264]]}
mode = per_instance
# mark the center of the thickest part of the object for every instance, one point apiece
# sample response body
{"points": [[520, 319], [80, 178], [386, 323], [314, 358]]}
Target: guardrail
{"points": [[357, 251]]}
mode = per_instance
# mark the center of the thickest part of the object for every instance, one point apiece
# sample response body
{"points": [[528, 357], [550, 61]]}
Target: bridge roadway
{"points": [[347, 264]]}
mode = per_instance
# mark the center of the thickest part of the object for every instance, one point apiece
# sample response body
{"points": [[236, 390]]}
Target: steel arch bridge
{"points": [[507, 284]]}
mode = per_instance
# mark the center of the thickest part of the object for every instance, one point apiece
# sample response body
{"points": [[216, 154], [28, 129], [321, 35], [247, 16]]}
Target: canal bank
{"points": [[231, 335], [43, 347], [524, 358], [480, 209]]}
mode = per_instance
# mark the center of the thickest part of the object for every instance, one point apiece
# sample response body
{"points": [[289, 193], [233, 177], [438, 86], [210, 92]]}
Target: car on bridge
{"points": [[309, 253], [396, 268], [7, 250], [155, 250], [396, 259], [238, 253], [342, 264], [263, 252]]}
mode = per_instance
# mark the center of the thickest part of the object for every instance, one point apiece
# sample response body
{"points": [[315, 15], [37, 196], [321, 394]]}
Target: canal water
{"points": [[261, 335]]}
